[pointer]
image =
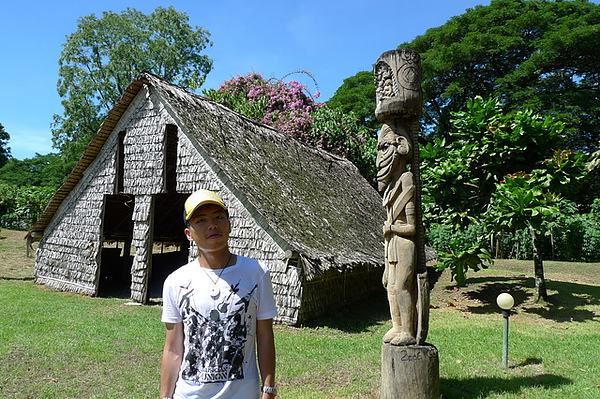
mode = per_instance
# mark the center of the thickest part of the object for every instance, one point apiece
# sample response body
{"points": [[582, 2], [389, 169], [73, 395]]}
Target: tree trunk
{"points": [[538, 266]]}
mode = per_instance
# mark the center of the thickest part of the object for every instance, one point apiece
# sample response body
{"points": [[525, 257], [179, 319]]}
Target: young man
{"points": [[215, 309]]}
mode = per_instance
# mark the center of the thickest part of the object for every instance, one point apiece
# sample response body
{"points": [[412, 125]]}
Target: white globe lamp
{"points": [[505, 301]]}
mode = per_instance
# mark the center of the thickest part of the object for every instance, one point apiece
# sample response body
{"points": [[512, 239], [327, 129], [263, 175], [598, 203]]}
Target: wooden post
{"points": [[410, 372]]}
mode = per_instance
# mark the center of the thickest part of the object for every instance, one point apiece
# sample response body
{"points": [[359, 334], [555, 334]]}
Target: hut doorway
{"points": [[170, 247], [116, 257]]}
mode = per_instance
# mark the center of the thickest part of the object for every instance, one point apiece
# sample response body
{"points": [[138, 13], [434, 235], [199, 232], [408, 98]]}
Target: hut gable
{"points": [[307, 214]]}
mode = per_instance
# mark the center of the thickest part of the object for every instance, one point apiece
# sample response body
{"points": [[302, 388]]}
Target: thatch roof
{"points": [[309, 201]]}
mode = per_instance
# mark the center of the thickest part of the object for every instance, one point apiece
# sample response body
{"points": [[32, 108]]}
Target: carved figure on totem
{"points": [[398, 186], [399, 105]]}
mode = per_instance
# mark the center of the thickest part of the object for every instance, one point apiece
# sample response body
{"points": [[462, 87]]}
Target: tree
{"points": [[517, 204], [485, 144], [4, 149], [538, 55], [48, 170], [103, 55], [528, 201], [20, 207], [464, 178], [357, 95]]}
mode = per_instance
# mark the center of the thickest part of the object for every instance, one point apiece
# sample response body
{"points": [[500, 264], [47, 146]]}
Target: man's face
{"points": [[209, 228]]}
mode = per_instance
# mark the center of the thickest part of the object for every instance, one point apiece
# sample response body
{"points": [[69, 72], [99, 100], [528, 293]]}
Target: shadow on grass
{"points": [[366, 313], [483, 387], [356, 318], [563, 306], [528, 362], [17, 278]]}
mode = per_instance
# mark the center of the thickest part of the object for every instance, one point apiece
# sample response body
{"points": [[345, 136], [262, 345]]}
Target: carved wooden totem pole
{"points": [[410, 368]]}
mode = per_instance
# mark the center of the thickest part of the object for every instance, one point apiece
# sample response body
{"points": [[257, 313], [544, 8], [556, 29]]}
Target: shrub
{"points": [[20, 207]]}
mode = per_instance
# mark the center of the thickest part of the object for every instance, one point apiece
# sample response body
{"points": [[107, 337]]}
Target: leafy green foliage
{"points": [[575, 236], [104, 54], [4, 149], [459, 250], [460, 257], [26, 186], [341, 133], [568, 235], [485, 144], [530, 201], [538, 55], [48, 170], [518, 203], [357, 95], [20, 207]]}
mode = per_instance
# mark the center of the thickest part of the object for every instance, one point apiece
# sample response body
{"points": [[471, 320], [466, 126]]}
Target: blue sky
{"points": [[333, 39]]}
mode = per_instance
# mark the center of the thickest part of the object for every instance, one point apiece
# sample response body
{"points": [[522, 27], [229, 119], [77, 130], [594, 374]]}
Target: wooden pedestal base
{"points": [[410, 372]]}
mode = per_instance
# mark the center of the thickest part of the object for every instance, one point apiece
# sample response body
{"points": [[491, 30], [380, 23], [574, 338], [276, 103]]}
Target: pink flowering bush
{"points": [[282, 105], [288, 107]]}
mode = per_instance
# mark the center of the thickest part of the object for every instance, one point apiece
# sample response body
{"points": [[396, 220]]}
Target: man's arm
{"points": [[171, 359], [265, 347]]}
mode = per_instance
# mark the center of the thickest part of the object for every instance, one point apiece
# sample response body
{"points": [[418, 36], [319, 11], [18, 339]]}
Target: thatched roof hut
{"points": [[308, 214]]}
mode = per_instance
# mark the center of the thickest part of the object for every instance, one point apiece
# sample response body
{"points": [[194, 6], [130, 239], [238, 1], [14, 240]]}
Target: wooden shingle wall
{"points": [[67, 257], [142, 242], [144, 147], [337, 288]]}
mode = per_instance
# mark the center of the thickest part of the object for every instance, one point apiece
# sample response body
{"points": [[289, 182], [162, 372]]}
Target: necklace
{"points": [[215, 291]]}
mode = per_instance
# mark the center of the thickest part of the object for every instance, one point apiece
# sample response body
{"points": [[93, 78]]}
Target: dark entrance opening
{"points": [[116, 258], [170, 247]]}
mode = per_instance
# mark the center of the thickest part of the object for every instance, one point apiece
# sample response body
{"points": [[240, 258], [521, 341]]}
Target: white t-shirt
{"points": [[220, 330]]}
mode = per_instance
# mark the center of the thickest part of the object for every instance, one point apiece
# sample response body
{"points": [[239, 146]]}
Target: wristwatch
{"points": [[269, 389]]}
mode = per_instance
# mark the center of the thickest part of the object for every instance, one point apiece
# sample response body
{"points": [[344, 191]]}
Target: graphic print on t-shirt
{"points": [[217, 339]]}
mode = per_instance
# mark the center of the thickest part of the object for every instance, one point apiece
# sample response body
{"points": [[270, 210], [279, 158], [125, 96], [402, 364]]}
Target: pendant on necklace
{"points": [[215, 292]]}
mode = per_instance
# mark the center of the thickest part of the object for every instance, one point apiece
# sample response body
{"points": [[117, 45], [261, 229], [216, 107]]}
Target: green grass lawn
{"points": [[60, 345]]}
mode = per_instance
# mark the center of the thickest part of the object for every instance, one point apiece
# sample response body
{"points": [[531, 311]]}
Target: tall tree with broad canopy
{"points": [[103, 55], [533, 54], [4, 149]]}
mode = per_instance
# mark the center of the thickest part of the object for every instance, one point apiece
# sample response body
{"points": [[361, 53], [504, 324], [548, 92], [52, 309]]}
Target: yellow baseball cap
{"points": [[199, 198]]}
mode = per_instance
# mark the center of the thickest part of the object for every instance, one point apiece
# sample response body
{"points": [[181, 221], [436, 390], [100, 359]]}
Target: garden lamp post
{"points": [[506, 302]]}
